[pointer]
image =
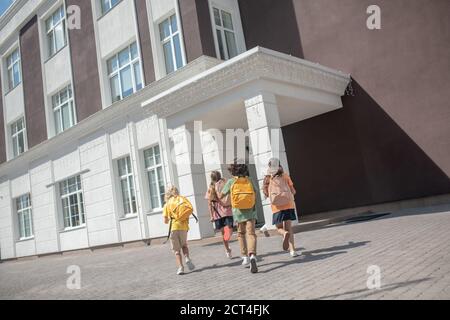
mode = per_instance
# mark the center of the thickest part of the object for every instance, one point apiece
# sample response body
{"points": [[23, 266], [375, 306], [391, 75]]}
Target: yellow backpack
{"points": [[242, 194], [183, 209]]}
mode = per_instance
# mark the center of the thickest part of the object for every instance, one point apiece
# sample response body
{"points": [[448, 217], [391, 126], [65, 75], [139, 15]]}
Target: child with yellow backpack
{"points": [[243, 200], [176, 212]]}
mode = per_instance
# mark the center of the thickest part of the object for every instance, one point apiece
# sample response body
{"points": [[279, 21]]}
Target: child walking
{"points": [[220, 210], [177, 211], [279, 188], [243, 199]]}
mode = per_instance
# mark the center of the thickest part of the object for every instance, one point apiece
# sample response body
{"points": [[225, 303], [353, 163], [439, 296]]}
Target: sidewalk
{"points": [[411, 248]]}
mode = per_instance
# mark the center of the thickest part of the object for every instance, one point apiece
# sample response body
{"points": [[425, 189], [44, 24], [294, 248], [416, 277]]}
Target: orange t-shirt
{"points": [[290, 205]]}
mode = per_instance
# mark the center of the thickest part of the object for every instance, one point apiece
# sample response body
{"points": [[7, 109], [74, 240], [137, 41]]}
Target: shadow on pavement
{"points": [[307, 256], [350, 245], [304, 258], [368, 292]]}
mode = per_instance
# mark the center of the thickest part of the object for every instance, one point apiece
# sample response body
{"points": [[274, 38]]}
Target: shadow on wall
{"points": [[357, 156], [271, 24]]}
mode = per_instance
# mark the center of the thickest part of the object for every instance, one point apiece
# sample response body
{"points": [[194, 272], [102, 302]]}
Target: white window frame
{"points": [[131, 186], [155, 168], [169, 38], [59, 105], [132, 64], [232, 7], [15, 135], [10, 63], [22, 211], [52, 51], [111, 6], [80, 203]]}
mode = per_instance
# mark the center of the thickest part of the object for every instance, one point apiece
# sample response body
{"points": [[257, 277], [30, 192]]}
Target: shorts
{"points": [[178, 240], [222, 222], [284, 215]]}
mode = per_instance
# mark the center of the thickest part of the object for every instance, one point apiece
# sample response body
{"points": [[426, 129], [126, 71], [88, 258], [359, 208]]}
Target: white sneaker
{"points": [[180, 271], [294, 254], [245, 262], [229, 255], [189, 264]]}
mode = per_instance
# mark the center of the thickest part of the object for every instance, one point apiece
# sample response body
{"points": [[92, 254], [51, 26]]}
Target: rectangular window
{"points": [[72, 202], [14, 72], [124, 72], [18, 134], [127, 186], [155, 175], [63, 109], [23, 206], [56, 31], [170, 42], [108, 5], [226, 37]]}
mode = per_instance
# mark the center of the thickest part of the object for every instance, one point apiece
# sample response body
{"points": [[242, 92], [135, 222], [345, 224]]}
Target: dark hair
{"points": [[215, 176], [238, 169]]}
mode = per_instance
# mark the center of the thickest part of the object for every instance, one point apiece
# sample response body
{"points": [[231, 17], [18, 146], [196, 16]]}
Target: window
{"points": [[18, 137], [127, 186], [13, 66], [170, 41], [124, 72], [63, 109], [56, 31], [72, 202], [155, 176], [23, 207], [226, 37], [108, 5]]}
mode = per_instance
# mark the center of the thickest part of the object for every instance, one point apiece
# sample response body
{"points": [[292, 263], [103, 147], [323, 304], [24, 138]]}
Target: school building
{"points": [[101, 102]]}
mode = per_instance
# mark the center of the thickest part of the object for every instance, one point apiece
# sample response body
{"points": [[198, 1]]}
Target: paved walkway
{"points": [[412, 250]]}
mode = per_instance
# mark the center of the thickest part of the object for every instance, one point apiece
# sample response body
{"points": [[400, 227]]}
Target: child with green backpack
{"points": [[243, 200], [176, 212]]}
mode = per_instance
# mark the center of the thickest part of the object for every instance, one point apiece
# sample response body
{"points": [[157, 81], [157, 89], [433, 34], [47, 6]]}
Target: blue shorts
{"points": [[284, 215], [222, 222]]}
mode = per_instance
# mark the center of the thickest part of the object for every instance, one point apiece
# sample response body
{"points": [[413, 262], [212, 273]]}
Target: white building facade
{"points": [[99, 180]]}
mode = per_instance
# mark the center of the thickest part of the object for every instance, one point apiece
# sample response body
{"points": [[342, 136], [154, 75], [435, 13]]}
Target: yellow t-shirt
{"points": [[171, 205]]}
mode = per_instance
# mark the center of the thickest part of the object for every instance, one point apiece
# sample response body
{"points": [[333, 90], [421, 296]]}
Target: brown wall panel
{"points": [[32, 83], [86, 80], [394, 140], [197, 29], [271, 24], [2, 129], [145, 42]]}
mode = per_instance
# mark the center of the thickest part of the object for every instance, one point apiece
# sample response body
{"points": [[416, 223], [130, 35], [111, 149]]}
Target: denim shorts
{"points": [[284, 215], [222, 222]]}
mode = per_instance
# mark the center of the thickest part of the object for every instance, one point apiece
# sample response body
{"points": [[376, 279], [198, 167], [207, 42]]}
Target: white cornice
{"points": [[198, 81], [255, 64]]}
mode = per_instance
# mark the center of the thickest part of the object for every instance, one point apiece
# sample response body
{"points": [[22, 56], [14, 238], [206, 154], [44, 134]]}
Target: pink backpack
{"points": [[225, 201], [279, 192]]}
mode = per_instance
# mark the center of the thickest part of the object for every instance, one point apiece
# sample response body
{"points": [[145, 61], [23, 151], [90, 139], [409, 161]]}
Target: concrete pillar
{"points": [[191, 177], [214, 151], [266, 140]]}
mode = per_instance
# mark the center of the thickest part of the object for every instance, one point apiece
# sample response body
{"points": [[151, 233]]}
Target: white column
{"points": [[266, 140], [213, 150], [191, 177]]}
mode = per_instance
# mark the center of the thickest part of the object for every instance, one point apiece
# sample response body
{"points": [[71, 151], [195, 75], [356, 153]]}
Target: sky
{"points": [[4, 4]]}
